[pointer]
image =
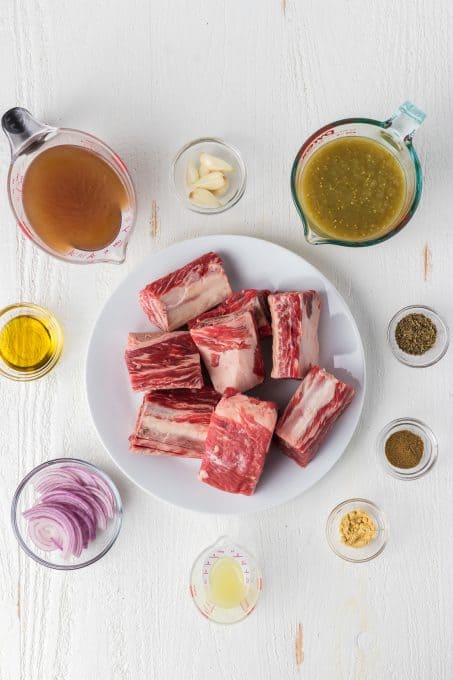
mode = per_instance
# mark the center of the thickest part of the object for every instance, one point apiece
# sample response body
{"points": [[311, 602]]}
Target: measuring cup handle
{"points": [[406, 120], [22, 129]]}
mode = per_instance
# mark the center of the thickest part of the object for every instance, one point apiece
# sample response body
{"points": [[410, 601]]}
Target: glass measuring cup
{"points": [[201, 581], [395, 134], [28, 138]]}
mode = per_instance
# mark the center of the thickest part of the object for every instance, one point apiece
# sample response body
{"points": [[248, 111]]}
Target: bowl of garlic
{"points": [[209, 175]]}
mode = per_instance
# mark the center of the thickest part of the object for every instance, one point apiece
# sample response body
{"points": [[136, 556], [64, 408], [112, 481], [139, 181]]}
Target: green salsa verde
{"points": [[352, 189]]}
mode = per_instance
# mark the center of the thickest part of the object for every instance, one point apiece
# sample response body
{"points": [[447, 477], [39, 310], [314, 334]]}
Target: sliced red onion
{"points": [[87, 520], [63, 531], [80, 497], [70, 498], [108, 507], [89, 478], [73, 502]]}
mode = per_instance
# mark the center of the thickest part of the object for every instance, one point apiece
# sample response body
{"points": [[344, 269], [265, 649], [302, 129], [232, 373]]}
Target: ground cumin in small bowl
{"points": [[418, 336], [407, 448]]}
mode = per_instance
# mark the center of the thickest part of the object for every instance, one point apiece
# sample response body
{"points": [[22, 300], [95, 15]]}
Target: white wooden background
{"points": [[148, 76]]}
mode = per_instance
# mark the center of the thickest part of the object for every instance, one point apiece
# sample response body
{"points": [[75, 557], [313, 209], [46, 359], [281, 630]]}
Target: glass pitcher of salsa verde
{"points": [[358, 181], [70, 193]]}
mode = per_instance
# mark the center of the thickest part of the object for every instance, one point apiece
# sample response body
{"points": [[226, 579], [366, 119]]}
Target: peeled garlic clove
{"points": [[222, 191], [204, 198], [212, 181], [192, 173], [213, 163], [204, 170]]}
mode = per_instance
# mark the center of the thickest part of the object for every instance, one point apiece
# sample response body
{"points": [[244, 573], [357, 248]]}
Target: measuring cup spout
{"points": [[313, 238], [22, 129], [406, 121]]}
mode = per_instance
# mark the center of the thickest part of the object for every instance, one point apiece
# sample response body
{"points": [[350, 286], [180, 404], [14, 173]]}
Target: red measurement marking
{"points": [[245, 605], [120, 162], [126, 228], [25, 230], [208, 609], [117, 243], [88, 143], [327, 132]]}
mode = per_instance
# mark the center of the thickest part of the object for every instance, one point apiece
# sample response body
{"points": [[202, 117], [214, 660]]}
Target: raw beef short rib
{"points": [[250, 300], [163, 361], [231, 352], [312, 410], [171, 301], [295, 345], [174, 422], [239, 436]]}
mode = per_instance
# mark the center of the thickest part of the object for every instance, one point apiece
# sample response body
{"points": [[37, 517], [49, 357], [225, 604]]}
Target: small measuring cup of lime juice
{"points": [[225, 582]]}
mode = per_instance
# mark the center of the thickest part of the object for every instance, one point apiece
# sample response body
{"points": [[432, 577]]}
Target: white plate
{"points": [[250, 263]]}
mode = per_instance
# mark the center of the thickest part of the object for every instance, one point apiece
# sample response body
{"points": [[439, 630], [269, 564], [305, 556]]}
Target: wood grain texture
{"points": [[148, 77]]}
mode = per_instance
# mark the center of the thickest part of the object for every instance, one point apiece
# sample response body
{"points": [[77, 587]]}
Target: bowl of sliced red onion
{"points": [[66, 513]]}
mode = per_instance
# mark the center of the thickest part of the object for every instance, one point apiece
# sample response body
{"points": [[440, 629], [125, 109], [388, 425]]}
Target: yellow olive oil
{"points": [[27, 343], [352, 189]]}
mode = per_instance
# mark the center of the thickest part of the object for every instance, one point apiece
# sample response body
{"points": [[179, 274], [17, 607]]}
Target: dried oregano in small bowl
{"points": [[418, 336]]}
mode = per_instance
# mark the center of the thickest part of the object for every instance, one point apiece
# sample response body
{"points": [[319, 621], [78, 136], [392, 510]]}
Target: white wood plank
{"points": [[147, 77]]}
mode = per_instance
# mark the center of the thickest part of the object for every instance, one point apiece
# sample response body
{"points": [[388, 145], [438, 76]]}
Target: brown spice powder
{"points": [[404, 449]]}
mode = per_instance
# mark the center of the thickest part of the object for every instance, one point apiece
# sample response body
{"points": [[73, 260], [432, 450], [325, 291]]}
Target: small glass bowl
{"points": [[215, 147], [25, 497], [54, 329], [436, 352], [428, 458], [368, 552]]}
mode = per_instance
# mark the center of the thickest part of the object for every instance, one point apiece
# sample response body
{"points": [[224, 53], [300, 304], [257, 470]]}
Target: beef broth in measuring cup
{"points": [[71, 194], [73, 199]]}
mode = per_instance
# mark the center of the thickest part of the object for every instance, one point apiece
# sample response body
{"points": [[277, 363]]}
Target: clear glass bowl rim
{"points": [[234, 199], [29, 476], [415, 201]]}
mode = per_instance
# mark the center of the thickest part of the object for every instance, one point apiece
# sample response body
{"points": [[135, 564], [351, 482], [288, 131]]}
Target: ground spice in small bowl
{"points": [[404, 449], [357, 529], [415, 334]]}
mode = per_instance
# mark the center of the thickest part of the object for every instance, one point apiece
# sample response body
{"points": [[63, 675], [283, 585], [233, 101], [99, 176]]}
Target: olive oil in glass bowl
{"points": [[31, 341]]}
